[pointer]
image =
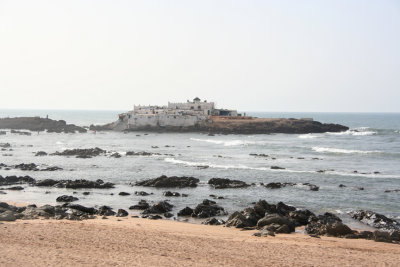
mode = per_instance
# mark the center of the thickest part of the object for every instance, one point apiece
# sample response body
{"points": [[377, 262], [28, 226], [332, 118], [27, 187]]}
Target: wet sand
{"points": [[144, 242]]}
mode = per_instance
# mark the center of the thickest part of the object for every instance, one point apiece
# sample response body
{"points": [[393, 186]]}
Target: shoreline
{"points": [[138, 242]]}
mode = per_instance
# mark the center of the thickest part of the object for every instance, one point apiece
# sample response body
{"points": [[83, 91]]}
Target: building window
{"points": [[191, 107], [199, 107]]}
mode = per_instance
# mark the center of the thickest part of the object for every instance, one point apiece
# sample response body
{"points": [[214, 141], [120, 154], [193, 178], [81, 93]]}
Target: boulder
{"points": [[221, 183], [159, 208], [174, 181], [122, 213], [105, 211], [171, 194], [123, 194], [142, 205], [81, 152], [276, 222], [213, 221], [208, 208], [65, 198], [7, 216], [185, 212], [375, 220]]}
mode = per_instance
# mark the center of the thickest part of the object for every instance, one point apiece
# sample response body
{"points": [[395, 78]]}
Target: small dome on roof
{"points": [[196, 99]]}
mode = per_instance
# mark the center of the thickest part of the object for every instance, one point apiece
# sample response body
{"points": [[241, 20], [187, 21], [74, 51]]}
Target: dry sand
{"points": [[143, 242]]}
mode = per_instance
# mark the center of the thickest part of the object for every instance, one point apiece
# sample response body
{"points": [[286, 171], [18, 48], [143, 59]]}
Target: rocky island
{"points": [[39, 124], [203, 116]]}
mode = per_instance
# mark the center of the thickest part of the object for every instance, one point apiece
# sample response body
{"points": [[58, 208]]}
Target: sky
{"points": [[315, 56]]}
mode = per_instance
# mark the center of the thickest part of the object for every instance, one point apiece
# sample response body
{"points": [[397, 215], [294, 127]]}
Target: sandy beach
{"points": [[143, 242]]}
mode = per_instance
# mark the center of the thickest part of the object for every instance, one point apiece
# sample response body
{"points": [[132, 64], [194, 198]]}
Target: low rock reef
{"points": [[245, 125], [39, 124]]}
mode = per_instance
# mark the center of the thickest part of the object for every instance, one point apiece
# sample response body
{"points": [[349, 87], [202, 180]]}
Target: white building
{"points": [[186, 114]]}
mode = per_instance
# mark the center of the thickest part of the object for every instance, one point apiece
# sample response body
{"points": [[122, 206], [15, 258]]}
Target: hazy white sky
{"points": [[250, 55]]}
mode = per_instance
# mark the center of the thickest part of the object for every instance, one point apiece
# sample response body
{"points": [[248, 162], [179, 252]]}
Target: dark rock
{"points": [[174, 181], [5, 145], [51, 169], [185, 212], [342, 185], [213, 221], [259, 155], [122, 213], [159, 208], [276, 168], [221, 183], [142, 193], [312, 187], [40, 153], [27, 167], [276, 185], [65, 198], [392, 191], [36, 124], [301, 217], [86, 193], [276, 223], [81, 152], [328, 224], [12, 180], [81, 208], [75, 184], [115, 155], [171, 194], [152, 217], [168, 215], [142, 205], [13, 188], [381, 236], [375, 220], [208, 208], [143, 153], [106, 211], [123, 194], [7, 216]]}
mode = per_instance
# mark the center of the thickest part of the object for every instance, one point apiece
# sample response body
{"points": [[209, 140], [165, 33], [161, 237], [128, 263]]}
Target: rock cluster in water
{"points": [[222, 183], [38, 124], [81, 152], [173, 181]]}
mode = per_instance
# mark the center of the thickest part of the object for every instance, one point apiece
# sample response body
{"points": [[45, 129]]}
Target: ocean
{"points": [[365, 159]]}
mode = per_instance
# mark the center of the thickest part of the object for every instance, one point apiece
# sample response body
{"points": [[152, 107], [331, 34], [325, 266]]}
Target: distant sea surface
{"points": [[366, 159]]}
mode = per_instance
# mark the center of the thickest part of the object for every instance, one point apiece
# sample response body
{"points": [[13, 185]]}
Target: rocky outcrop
{"points": [[277, 185], [142, 205], [375, 220], [239, 125], [221, 183], [39, 124], [65, 198], [81, 152], [75, 184], [207, 209], [67, 211], [328, 224], [174, 181], [12, 180], [159, 208]]}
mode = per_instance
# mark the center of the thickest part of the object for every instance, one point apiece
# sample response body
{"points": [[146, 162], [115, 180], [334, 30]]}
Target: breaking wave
{"points": [[342, 151], [230, 142], [360, 131], [307, 136]]}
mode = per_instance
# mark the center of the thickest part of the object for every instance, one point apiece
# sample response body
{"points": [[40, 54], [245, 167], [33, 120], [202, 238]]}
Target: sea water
{"points": [[365, 157]]}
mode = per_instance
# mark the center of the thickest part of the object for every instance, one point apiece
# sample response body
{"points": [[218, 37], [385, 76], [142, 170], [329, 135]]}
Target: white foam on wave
{"points": [[230, 142], [239, 166], [360, 131], [59, 143], [244, 167], [342, 151], [307, 136]]}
